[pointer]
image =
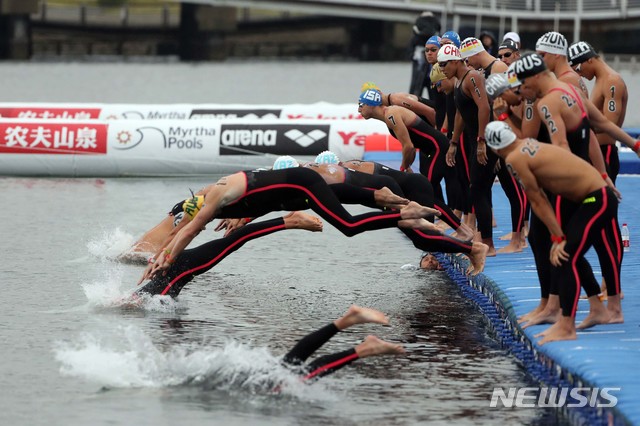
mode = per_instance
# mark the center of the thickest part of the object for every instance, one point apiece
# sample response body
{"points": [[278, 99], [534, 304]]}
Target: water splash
{"points": [[113, 292], [111, 244], [131, 360]]}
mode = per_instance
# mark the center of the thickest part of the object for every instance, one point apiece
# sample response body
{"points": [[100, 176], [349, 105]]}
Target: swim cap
{"points": [[452, 36], [327, 157], [371, 97], [285, 162], [496, 84], [470, 46], [499, 135], [512, 78], [449, 52], [511, 36], [192, 206], [435, 40], [553, 42], [368, 85], [508, 44], [436, 74], [528, 65], [580, 52]]}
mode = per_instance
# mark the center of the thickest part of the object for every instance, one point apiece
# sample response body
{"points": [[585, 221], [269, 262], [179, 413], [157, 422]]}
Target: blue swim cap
{"points": [[433, 40], [371, 97], [285, 162], [327, 157], [453, 36]]}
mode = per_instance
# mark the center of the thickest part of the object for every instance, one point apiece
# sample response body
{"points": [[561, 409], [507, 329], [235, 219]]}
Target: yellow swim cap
{"points": [[192, 206], [368, 85], [436, 74]]}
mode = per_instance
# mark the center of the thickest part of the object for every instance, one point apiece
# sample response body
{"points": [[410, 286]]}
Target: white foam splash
{"points": [[111, 292], [111, 244], [136, 362], [409, 267]]}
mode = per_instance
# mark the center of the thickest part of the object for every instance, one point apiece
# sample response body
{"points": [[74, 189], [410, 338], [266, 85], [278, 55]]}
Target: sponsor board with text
{"points": [[48, 113], [53, 138], [276, 139]]}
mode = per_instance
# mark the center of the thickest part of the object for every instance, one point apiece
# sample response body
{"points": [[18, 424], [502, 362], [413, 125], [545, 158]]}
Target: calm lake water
{"points": [[70, 359]]}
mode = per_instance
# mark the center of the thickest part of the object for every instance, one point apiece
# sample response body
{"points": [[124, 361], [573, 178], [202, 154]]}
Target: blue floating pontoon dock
{"points": [[605, 356]]}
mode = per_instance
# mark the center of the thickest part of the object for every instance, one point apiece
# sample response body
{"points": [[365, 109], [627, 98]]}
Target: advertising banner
{"points": [[171, 147]]}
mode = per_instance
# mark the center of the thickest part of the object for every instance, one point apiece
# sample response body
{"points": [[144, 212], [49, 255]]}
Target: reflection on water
{"points": [[249, 310]]}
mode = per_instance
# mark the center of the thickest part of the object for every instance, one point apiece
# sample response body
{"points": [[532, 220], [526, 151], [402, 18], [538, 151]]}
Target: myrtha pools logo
{"points": [[177, 137]]}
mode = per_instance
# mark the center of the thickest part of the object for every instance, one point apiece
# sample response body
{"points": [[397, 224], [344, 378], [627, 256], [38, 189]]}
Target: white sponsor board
{"points": [[170, 147], [76, 111]]}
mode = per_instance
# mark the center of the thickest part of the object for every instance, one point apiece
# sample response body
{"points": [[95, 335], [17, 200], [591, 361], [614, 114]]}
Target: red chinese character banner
{"points": [[39, 138]]}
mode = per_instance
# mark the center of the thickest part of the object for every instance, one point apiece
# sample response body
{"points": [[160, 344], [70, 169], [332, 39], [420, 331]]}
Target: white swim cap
{"points": [[449, 52], [285, 162], [511, 36], [498, 135], [553, 42], [327, 157], [470, 46]]}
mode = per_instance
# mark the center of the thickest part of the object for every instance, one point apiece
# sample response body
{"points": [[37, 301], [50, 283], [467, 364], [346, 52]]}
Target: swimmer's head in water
{"points": [[285, 162], [327, 157], [429, 262], [371, 97], [499, 135]]}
